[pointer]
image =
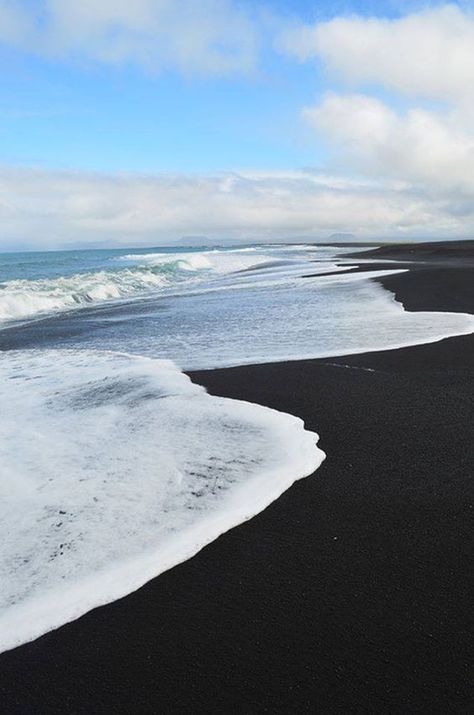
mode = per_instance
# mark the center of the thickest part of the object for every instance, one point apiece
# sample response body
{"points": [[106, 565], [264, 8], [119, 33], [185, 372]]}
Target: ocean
{"points": [[207, 308], [114, 465]]}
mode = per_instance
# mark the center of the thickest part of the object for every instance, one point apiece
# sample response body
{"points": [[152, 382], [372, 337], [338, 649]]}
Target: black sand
{"points": [[350, 594]]}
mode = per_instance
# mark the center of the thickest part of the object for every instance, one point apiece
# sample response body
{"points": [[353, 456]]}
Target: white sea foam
{"points": [[268, 316], [148, 273], [214, 260], [22, 298], [183, 261], [115, 468]]}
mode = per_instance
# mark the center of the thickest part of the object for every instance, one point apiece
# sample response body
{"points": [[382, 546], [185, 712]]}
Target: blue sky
{"points": [[86, 115], [123, 118], [113, 89], [90, 116]]}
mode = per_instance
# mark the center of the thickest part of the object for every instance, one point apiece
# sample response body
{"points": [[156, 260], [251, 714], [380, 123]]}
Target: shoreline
{"points": [[347, 594]]}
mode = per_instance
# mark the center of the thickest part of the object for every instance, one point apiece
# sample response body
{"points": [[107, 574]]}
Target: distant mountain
{"points": [[197, 241]]}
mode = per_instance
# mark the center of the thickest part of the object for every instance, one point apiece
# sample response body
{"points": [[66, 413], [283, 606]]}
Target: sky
{"points": [[139, 123]]}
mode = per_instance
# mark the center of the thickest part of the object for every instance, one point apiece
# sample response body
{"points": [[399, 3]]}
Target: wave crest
{"points": [[25, 298], [149, 272]]}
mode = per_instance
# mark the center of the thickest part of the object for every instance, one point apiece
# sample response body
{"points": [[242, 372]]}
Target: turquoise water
{"points": [[207, 307], [33, 265], [39, 283]]}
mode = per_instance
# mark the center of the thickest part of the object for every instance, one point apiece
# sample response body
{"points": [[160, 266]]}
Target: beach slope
{"points": [[350, 593]]}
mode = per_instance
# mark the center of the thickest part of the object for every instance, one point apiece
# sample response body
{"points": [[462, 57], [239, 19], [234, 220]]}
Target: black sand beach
{"points": [[349, 594]]}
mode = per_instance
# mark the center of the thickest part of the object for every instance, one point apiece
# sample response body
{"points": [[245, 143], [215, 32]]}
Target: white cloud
{"points": [[417, 164], [421, 147], [40, 208], [428, 53], [190, 36]]}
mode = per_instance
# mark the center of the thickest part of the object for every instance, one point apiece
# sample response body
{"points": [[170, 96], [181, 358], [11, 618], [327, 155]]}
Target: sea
{"points": [[114, 465]]}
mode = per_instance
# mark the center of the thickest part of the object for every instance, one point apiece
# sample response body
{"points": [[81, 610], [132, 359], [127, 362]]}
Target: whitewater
{"points": [[142, 274], [114, 465], [208, 308], [114, 469]]}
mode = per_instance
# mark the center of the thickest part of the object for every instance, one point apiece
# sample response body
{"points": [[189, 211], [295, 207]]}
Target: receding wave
{"points": [[116, 468]]}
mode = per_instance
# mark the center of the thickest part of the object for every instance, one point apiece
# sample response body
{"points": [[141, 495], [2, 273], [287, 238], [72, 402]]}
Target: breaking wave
{"points": [[148, 272]]}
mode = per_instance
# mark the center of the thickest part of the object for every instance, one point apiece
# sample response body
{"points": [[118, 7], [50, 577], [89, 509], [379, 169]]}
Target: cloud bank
{"points": [[47, 209]]}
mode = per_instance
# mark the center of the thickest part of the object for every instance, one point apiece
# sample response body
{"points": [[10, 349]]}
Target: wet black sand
{"points": [[350, 594], [439, 251]]}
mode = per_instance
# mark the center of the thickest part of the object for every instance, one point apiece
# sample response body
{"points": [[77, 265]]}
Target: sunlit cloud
{"points": [[425, 141], [429, 53]]}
